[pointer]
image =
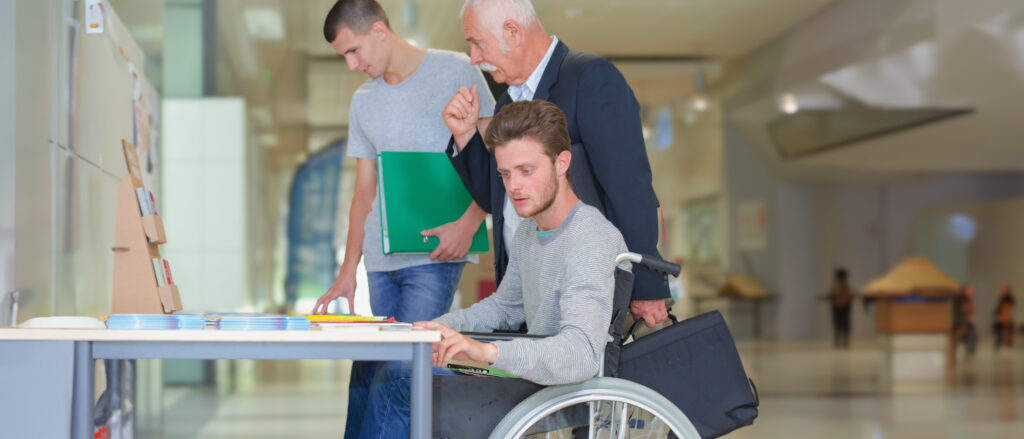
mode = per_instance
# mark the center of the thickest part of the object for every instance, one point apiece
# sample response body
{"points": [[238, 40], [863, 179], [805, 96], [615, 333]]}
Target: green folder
{"points": [[478, 371], [419, 191]]}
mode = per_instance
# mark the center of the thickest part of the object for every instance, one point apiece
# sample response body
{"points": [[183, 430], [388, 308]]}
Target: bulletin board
{"points": [[700, 232]]}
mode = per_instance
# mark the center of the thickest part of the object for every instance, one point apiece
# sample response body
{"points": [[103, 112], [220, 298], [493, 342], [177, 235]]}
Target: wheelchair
{"points": [[601, 407]]}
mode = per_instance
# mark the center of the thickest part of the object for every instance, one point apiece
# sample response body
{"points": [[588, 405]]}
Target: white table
{"points": [[210, 344]]}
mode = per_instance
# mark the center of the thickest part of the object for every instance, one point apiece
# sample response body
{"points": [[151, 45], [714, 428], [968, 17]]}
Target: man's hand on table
{"points": [[455, 346], [344, 286]]}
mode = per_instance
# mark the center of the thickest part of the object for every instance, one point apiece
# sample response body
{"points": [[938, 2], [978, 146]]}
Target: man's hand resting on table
{"points": [[455, 346], [343, 286]]}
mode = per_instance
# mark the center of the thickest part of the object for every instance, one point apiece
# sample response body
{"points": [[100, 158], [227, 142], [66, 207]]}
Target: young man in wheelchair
{"points": [[560, 279]]}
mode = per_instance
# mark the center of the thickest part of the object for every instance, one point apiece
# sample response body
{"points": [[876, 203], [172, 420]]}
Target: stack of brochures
{"points": [[251, 323], [162, 269], [142, 321], [296, 323], [156, 321], [147, 202], [190, 321], [260, 322]]}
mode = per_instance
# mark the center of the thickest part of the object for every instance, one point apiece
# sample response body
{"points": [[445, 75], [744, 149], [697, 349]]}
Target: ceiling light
{"points": [[787, 103], [962, 227], [262, 116], [699, 103], [264, 23], [268, 140]]}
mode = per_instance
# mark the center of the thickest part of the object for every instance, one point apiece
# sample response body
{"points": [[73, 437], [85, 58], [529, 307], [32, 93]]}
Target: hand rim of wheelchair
{"points": [[552, 399]]}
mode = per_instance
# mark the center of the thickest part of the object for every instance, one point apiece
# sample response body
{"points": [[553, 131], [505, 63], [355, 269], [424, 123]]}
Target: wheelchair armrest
{"points": [[487, 337]]}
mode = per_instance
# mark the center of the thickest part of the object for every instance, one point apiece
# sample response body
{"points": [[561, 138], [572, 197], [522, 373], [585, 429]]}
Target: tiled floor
{"points": [[808, 390]]}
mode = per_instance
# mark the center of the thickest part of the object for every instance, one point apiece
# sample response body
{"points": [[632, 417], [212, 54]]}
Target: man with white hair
{"points": [[609, 170]]}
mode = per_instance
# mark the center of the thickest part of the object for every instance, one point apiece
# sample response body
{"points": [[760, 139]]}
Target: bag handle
{"points": [[638, 322], [757, 396]]}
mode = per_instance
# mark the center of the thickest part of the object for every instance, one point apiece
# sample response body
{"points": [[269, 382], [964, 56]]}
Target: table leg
{"points": [[419, 410], [82, 394]]}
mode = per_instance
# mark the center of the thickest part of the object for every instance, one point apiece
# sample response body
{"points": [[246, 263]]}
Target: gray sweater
{"points": [[561, 285]]}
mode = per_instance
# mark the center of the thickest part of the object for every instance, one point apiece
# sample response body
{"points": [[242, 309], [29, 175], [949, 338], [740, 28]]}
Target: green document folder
{"points": [[419, 191]]}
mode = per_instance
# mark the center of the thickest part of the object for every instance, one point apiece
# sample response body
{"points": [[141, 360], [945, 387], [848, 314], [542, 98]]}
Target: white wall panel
{"points": [[34, 69], [104, 90], [187, 143], [7, 157], [205, 207], [60, 167]]}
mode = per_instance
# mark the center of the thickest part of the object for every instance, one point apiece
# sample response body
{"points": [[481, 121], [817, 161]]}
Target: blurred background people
{"points": [[965, 331], [841, 298], [1004, 318]]}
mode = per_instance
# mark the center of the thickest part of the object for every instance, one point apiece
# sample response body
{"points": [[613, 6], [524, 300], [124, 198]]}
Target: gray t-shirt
{"points": [[407, 117]]}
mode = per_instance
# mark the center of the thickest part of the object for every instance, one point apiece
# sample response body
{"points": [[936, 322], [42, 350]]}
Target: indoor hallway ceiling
{"points": [[942, 55], [297, 82]]}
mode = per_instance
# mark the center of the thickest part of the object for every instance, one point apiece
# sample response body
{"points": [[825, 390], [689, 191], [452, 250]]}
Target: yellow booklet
{"points": [[346, 318]]}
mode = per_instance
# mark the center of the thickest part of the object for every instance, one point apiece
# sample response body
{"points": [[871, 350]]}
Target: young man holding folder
{"points": [[560, 279], [396, 110]]}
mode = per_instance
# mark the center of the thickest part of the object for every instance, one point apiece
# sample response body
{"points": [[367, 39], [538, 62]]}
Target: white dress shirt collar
{"points": [[526, 90]]}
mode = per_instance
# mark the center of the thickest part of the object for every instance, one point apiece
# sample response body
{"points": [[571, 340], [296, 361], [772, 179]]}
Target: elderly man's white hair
{"points": [[493, 14]]}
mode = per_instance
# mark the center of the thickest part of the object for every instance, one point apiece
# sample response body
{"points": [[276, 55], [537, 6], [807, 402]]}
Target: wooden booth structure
{"points": [[914, 306], [914, 297]]}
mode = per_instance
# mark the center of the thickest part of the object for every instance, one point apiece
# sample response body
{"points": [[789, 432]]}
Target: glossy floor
{"points": [[808, 390]]}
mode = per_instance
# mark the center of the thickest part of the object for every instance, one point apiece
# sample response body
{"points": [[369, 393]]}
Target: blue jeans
{"points": [[422, 292], [387, 412]]}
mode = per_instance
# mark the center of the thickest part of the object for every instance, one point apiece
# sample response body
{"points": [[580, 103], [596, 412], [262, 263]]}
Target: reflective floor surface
{"points": [[807, 390]]}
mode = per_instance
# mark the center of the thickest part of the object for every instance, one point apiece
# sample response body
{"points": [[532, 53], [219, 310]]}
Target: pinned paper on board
{"points": [[133, 164], [94, 13], [752, 225]]}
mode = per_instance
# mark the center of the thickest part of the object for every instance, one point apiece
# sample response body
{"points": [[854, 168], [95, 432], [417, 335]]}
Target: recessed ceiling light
{"points": [[264, 23], [262, 116], [699, 103], [787, 103], [268, 140]]}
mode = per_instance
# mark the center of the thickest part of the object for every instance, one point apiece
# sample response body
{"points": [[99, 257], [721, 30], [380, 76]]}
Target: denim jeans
{"points": [[422, 292], [387, 411]]}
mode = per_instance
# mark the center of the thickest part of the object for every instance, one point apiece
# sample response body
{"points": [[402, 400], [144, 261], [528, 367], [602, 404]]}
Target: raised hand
{"points": [[461, 115]]}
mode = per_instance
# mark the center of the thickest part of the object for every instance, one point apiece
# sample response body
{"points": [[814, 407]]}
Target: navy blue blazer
{"points": [[609, 165]]}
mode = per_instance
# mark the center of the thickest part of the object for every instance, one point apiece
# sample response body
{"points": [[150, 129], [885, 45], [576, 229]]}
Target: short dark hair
{"points": [[539, 120], [357, 15]]}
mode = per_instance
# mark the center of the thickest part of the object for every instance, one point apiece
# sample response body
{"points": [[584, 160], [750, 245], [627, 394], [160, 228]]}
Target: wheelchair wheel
{"points": [[597, 408]]}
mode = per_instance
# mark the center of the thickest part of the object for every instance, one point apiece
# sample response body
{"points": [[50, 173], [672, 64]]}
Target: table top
{"points": [[356, 335]]}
